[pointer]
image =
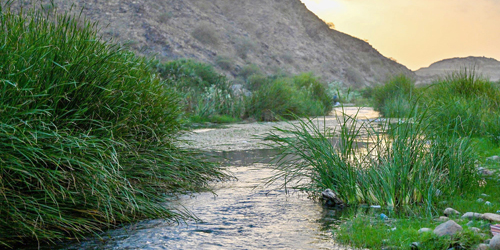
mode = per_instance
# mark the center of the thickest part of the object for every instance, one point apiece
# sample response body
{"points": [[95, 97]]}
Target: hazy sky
{"points": [[418, 32]]}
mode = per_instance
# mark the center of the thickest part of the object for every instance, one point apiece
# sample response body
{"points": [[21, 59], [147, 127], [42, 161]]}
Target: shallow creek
{"points": [[245, 214]]}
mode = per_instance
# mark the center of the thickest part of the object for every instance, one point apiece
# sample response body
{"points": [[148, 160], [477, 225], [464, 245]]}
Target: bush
{"points": [[87, 133], [285, 97], [399, 89], [205, 93], [206, 34]]}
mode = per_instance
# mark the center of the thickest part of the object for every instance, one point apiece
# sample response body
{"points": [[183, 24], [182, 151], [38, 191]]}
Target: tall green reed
{"points": [[87, 133], [399, 164]]}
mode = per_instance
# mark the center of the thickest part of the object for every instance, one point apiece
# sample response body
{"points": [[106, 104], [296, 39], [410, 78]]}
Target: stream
{"points": [[244, 214]]}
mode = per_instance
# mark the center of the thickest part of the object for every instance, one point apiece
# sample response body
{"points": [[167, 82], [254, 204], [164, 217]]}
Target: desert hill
{"points": [[486, 67], [275, 36]]}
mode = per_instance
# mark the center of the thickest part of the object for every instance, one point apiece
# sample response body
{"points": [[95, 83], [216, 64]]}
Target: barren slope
{"points": [[275, 35]]}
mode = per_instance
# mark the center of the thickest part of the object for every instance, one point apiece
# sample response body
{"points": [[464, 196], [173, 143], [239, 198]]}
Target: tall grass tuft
{"points": [[466, 100], [398, 165], [87, 133]]}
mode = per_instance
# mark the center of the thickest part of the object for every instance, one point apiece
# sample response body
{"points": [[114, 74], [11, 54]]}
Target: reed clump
{"points": [[87, 133], [398, 165]]}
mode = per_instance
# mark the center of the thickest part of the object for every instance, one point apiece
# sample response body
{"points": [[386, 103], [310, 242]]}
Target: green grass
{"points": [[373, 233], [370, 231], [87, 133]]}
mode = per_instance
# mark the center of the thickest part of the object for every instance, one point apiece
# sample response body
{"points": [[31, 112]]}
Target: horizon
{"points": [[425, 32]]}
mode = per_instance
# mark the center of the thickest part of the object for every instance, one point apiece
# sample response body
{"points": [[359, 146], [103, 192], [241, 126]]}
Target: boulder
{"points": [[448, 228], [450, 211], [471, 215], [495, 242], [331, 198], [491, 217]]}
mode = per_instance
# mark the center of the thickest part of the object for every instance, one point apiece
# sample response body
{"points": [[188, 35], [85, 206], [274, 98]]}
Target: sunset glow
{"points": [[418, 33]]}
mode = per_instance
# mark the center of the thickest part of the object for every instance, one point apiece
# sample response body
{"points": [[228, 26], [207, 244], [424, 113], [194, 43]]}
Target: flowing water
{"points": [[245, 214]]}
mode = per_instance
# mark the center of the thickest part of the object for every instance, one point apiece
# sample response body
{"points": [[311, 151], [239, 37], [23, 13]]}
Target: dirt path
{"points": [[246, 136]]}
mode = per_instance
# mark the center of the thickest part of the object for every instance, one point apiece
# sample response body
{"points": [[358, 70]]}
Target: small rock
{"points": [[491, 217], [493, 158], [480, 200], [442, 219], [485, 195], [487, 203], [450, 211], [414, 245], [482, 247], [470, 223], [471, 215], [331, 197], [375, 206], [424, 230], [448, 228], [475, 229], [495, 242], [487, 172], [498, 211]]}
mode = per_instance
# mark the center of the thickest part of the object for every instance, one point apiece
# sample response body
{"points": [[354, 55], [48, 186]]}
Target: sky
{"points": [[418, 33]]}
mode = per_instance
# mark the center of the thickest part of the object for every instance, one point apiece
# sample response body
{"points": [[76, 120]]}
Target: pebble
{"points": [[480, 200], [487, 203]]}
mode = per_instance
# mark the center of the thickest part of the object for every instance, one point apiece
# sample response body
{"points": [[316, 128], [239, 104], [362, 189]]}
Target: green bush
{"points": [[205, 93], [399, 89], [87, 133], [206, 34], [285, 97]]}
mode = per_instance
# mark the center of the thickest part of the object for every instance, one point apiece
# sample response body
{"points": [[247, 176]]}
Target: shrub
{"points": [[224, 62], [399, 89], [205, 92], [285, 97], [243, 47], [206, 34], [249, 70], [87, 133]]}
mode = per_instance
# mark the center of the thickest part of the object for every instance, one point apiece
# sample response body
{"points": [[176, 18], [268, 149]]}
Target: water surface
{"points": [[245, 214]]}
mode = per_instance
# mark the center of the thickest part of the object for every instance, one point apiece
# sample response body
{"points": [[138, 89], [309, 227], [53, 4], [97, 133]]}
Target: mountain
{"points": [[486, 67], [275, 36]]}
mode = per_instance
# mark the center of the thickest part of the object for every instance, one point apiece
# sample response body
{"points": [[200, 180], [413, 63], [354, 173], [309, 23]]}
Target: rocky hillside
{"points": [[275, 36], [486, 67]]}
